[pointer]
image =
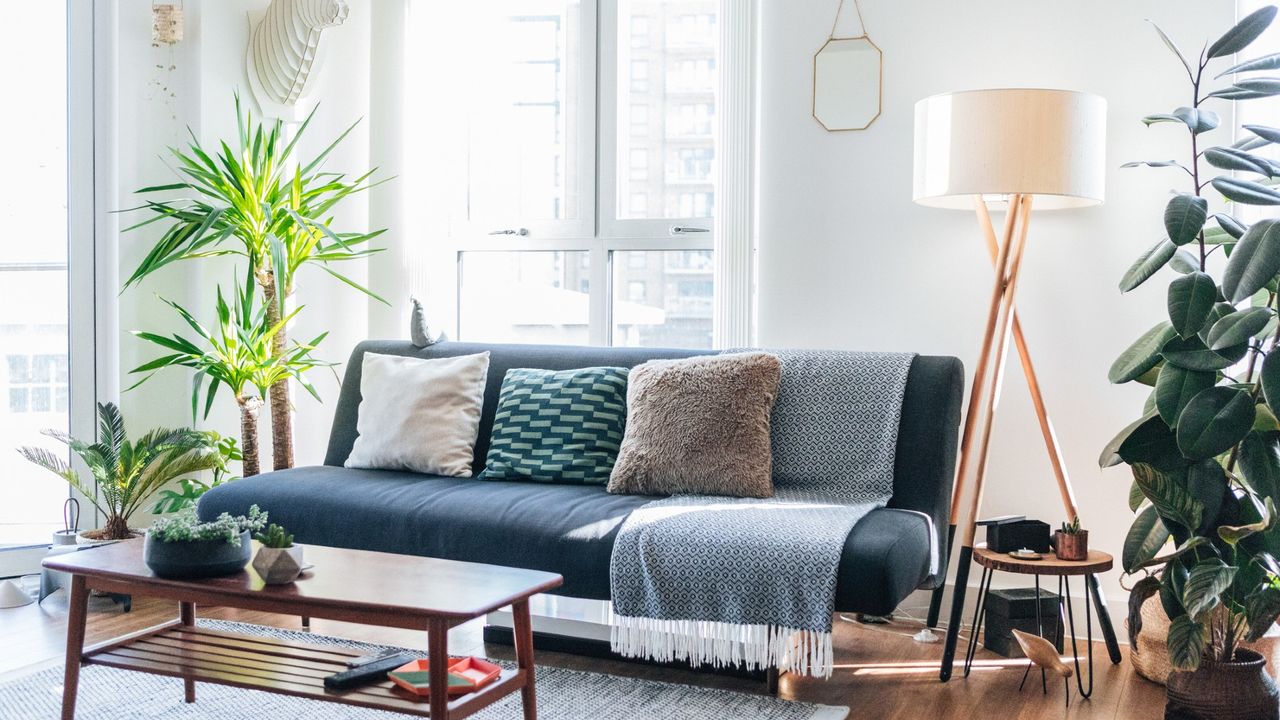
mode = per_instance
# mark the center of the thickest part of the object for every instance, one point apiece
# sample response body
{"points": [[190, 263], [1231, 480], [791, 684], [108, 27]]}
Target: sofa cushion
{"points": [[419, 415], [558, 425], [699, 425], [568, 529]]}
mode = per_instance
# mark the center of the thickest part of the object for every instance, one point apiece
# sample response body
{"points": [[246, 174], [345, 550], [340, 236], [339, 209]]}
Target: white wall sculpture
{"points": [[285, 49]]}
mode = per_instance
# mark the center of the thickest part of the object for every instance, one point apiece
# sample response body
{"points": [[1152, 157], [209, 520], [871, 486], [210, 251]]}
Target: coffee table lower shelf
{"points": [[278, 666]]}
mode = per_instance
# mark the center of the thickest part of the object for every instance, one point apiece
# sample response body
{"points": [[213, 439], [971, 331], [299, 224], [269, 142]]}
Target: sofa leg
{"points": [[306, 623], [771, 678]]}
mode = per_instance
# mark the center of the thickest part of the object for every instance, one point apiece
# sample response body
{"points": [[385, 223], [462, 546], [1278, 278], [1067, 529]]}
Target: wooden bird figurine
{"points": [[1043, 653]]}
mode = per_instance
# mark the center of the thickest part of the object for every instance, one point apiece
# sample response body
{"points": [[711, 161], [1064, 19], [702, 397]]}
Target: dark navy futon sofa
{"points": [[570, 529]]}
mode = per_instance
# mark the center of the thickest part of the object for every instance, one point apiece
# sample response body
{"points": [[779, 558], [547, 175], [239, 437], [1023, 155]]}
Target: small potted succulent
{"points": [[182, 547], [1070, 542], [278, 561]]}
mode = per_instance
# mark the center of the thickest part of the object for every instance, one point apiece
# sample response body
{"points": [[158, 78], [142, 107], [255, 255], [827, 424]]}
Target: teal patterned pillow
{"points": [[560, 426]]}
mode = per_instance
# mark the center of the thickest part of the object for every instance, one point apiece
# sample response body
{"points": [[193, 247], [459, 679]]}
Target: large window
{"points": [[33, 266], [584, 135]]}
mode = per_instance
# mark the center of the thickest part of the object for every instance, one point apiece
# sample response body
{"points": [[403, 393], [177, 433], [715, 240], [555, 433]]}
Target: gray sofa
{"points": [[570, 529]]}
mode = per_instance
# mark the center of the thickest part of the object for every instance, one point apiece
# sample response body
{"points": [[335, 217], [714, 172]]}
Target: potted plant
{"points": [[1205, 455], [276, 212], [278, 561], [1070, 542], [238, 354], [180, 546], [125, 474]]}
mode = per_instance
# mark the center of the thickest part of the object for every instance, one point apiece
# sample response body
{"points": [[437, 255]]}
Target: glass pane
{"points": [[525, 297], [666, 108], [662, 298], [519, 70], [33, 277]]}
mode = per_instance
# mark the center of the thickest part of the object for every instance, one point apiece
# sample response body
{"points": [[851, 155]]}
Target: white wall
{"points": [[162, 91], [846, 260]]}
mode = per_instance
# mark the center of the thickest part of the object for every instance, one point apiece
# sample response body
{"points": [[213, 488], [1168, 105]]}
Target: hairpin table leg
{"points": [[984, 586]]}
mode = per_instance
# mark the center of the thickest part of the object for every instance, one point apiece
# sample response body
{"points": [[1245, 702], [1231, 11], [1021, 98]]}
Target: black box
{"points": [[1020, 603], [998, 636], [1031, 534], [1009, 609]]}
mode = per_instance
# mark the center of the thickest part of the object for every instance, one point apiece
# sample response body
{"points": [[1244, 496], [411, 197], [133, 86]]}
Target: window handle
{"points": [[522, 232], [681, 230]]}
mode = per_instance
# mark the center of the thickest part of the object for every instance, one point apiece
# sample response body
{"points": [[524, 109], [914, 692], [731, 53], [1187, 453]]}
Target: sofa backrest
{"points": [[927, 433]]}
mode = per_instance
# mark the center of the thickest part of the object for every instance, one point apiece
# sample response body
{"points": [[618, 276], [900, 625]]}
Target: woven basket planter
{"points": [[1150, 656]]}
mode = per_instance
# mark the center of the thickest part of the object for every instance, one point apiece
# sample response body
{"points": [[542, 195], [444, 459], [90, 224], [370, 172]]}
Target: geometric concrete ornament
{"points": [[847, 74], [277, 566], [285, 50]]}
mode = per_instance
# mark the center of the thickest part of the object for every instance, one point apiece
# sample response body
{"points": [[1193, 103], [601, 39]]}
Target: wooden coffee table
{"points": [[358, 586]]}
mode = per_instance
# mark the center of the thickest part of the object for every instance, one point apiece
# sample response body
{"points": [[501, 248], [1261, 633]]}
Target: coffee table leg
{"points": [[524, 657], [438, 655], [187, 614], [75, 645]]}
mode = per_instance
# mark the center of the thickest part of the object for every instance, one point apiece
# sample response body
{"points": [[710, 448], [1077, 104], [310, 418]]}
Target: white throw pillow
{"points": [[419, 415]]}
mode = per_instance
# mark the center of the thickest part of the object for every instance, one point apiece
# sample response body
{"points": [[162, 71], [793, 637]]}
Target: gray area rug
{"points": [[111, 694]]}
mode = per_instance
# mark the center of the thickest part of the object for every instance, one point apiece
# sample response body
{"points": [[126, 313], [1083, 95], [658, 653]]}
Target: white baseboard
{"points": [[19, 560]]}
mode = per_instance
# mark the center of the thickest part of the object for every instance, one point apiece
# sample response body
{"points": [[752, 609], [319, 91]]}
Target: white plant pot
{"points": [[278, 566]]}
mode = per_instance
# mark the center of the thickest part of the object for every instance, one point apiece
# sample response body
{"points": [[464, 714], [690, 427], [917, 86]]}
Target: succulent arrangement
{"points": [[186, 527], [1071, 528], [274, 537]]}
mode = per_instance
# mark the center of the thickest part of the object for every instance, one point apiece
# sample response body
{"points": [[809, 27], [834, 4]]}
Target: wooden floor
{"points": [[880, 671]]}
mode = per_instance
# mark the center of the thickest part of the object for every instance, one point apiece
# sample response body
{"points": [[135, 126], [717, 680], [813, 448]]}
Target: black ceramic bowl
{"points": [[196, 559]]}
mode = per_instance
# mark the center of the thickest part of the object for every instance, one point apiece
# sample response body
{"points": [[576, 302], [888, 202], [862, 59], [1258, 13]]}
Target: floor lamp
{"points": [[1016, 148]]}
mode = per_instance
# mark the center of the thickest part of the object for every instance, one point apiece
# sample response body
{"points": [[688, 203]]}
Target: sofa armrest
{"points": [[928, 437]]}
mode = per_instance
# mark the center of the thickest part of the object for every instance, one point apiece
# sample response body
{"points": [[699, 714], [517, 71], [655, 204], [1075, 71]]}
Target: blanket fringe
{"points": [[719, 644]]}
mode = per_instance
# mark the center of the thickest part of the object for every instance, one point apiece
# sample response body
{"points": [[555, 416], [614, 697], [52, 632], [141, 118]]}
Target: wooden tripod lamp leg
{"points": [[1033, 382], [1008, 260], [1037, 399], [971, 413]]}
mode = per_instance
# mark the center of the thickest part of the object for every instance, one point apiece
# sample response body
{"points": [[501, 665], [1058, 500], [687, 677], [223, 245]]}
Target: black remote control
{"points": [[366, 659], [367, 673]]}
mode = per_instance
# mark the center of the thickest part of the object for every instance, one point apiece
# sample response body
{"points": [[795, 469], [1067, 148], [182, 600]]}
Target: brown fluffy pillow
{"points": [[699, 426]]}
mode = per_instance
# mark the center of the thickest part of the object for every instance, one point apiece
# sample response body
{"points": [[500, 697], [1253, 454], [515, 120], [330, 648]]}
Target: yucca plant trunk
{"points": [[249, 407], [281, 410]]}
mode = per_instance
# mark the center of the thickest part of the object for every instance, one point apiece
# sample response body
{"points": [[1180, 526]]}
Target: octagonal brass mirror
{"points": [[847, 74]]}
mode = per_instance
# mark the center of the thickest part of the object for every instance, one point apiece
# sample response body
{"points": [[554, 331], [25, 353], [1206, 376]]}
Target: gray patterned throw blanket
{"points": [[745, 581]]}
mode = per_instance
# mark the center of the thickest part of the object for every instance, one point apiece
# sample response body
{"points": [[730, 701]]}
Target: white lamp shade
{"points": [[994, 143]]}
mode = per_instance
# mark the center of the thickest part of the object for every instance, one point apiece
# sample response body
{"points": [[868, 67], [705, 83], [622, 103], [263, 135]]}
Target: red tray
{"points": [[466, 675]]}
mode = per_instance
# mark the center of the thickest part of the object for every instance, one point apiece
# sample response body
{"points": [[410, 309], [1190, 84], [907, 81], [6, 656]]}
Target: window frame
{"points": [[599, 230]]}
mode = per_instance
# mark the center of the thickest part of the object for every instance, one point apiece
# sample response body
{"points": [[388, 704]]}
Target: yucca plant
{"points": [[257, 202], [239, 354], [1205, 455], [126, 474]]}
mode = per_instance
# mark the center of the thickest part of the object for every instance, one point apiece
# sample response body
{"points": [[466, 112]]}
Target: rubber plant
{"points": [[1205, 455], [126, 473], [256, 201], [239, 354]]}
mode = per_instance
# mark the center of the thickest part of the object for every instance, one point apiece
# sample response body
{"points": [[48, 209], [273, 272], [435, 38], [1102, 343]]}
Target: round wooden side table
{"points": [[1096, 562]]}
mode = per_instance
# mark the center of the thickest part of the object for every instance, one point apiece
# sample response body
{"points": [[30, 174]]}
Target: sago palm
{"points": [[239, 354], [126, 474], [255, 201]]}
